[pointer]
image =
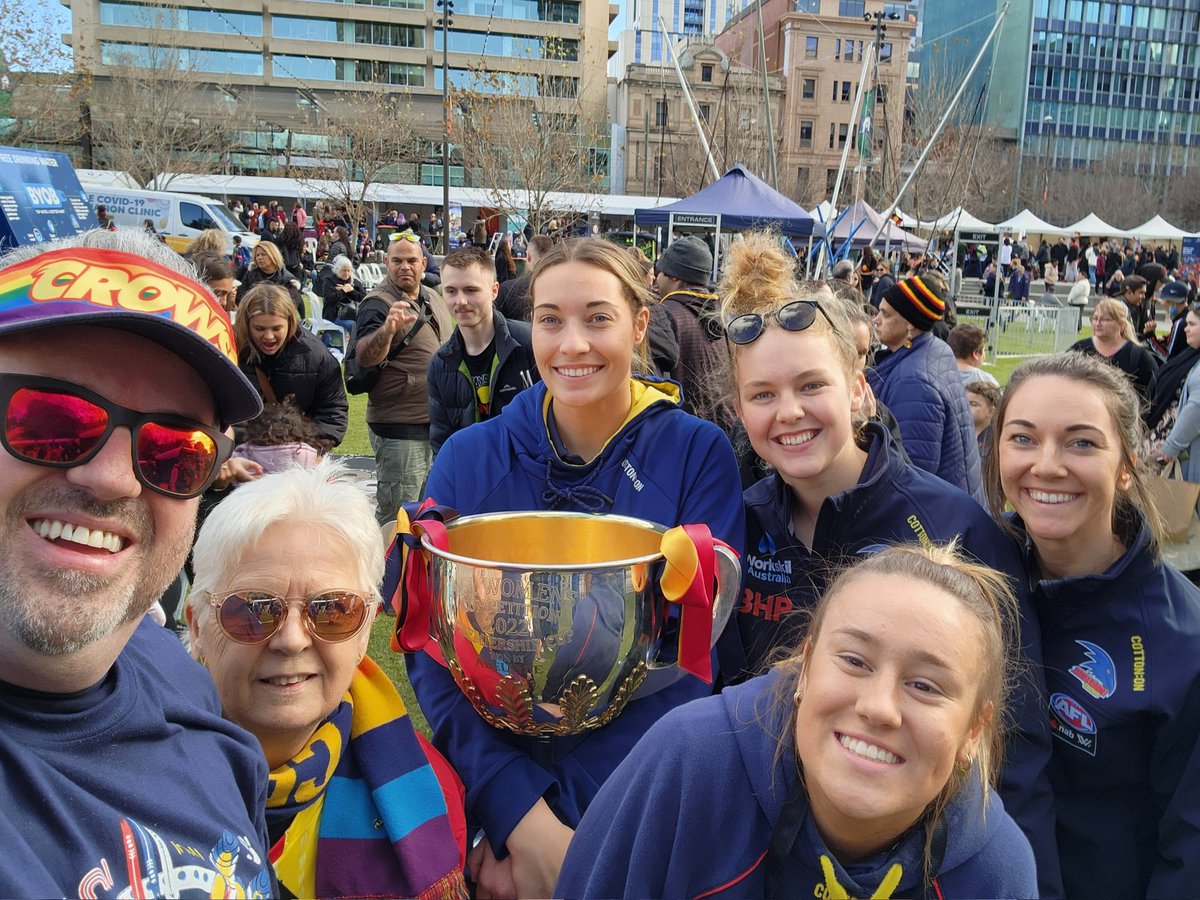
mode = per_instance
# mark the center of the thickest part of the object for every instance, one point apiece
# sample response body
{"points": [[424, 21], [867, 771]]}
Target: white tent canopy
{"points": [[957, 220], [1158, 229], [822, 212], [1028, 223], [258, 186], [1094, 226]]}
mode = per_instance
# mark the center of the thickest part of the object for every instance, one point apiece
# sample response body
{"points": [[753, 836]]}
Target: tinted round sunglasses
{"points": [[795, 316], [252, 617], [55, 423]]}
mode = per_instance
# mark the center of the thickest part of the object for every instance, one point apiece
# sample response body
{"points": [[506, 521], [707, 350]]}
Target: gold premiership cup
{"points": [[551, 622]]}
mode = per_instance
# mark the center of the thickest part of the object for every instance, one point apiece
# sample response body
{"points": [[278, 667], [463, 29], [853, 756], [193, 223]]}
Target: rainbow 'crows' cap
{"points": [[113, 289], [918, 300]]}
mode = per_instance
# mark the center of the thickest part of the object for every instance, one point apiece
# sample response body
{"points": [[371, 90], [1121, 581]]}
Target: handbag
{"points": [[1175, 500]]}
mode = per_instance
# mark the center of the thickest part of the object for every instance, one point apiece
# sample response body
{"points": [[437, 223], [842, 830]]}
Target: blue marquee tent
{"points": [[742, 201]]}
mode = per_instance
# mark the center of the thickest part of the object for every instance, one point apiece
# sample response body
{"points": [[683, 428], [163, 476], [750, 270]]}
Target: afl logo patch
{"points": [[1071, 723]]}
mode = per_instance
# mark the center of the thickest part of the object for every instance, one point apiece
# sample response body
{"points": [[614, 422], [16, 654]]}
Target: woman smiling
{"points": [[591, 437], [280, 612], [841, 488], [1120, 630], [860, 767]]}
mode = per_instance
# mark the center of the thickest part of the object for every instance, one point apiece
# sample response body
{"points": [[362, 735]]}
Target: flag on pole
{"points": [[864, 124]]}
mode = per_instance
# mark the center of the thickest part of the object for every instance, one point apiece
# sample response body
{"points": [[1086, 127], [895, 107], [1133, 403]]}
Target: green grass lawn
{"points": [[380, 650], [356, 442]]}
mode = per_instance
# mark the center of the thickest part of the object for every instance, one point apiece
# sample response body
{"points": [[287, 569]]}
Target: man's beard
{"points": [[57, 611]]}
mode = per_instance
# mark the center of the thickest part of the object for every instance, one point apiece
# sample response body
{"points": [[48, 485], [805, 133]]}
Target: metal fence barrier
{"points": [[1024, 329]]}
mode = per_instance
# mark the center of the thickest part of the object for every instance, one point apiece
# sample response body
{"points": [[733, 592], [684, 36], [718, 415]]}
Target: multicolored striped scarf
{"points": [[386, 832]]}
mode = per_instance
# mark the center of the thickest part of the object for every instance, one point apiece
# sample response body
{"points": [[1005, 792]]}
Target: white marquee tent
{"points": [[1158, 229], [1025, 221], [1094, 226], [957, 220]]}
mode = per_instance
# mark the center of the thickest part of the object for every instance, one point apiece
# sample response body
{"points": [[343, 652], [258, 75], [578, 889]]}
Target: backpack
{"points": [[362, 379]]}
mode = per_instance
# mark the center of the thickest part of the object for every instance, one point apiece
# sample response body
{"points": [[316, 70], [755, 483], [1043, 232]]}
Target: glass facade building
{"points": [[1078, 81], [294, 62]]}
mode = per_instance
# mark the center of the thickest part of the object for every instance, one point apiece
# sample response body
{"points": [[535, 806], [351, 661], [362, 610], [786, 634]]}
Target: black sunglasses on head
{"points": [[795, 316]]}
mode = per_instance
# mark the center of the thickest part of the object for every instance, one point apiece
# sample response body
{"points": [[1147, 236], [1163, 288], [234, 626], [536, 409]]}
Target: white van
{"points": [[177, 217]]}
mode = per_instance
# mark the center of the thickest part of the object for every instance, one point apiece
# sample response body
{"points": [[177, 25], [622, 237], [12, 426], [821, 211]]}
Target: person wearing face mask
{"points": [[861, 766]]}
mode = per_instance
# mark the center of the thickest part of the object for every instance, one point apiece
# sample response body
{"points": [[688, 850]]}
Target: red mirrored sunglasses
{"points": [[54, 423]]}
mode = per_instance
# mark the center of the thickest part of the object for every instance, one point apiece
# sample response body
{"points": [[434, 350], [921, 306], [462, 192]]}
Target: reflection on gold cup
{"points": [[552, 622]]}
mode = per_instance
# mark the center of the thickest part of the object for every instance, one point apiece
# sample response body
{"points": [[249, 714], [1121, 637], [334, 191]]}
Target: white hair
{"points": [[342, 260], [322, 498]]}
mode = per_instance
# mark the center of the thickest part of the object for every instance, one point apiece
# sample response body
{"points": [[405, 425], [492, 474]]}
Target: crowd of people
{"points": [[957, 664]]}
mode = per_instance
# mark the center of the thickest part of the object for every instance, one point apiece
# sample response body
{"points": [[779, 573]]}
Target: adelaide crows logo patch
{"points": [[1096, 673]]}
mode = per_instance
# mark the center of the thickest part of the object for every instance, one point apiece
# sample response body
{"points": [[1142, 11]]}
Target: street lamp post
{"points": [[447, 7], [1047, 127]]}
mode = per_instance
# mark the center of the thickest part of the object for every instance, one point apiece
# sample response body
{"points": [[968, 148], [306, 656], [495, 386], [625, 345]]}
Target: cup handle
{"points": [[729, 581]]}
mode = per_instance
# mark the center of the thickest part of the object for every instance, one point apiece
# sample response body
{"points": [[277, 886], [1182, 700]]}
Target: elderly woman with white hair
{"points": [[341, 294], [359, 804]]}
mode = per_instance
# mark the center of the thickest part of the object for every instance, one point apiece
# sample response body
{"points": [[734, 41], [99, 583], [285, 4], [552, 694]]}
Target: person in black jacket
{"points": [[681, 280], [513, 299], [487, 361], [269, 269], [341, 293], [291, 247], [283, 359]]}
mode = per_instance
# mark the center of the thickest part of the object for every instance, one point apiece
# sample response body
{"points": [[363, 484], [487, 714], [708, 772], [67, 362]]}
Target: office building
{"points": [[280, 64], [1079, 82], [642, 40], [657, 149], [817, 47]]}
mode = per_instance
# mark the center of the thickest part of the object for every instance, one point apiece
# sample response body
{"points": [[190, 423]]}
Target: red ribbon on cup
{"points": [[688, 577], [411, 598]]}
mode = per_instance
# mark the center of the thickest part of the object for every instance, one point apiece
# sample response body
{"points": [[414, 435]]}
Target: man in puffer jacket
{"points": [[917, 379], [488, 359]]}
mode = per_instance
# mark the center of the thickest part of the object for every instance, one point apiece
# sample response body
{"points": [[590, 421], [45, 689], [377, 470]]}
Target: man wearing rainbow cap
{"points": [[118, 376]]}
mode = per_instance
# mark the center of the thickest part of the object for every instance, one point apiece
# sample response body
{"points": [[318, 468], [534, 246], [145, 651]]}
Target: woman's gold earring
{"points": [[908, 340], [965, 764]]}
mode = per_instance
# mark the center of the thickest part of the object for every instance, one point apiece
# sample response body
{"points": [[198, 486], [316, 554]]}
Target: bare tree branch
{"points": [[372, 137], [523, 137]]}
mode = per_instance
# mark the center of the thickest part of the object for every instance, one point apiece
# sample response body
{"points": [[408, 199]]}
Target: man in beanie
{"points": [[118, 378], [1174, 296], [917, 379], [681, 279]]}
